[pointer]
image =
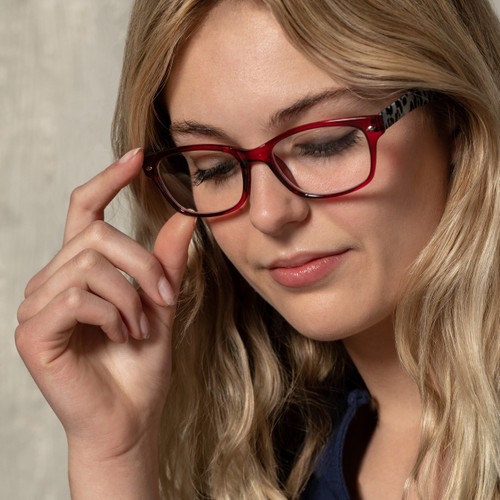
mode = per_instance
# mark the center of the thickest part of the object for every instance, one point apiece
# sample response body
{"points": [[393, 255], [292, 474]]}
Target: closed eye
{"points": [[218, 174], [329, 147]]}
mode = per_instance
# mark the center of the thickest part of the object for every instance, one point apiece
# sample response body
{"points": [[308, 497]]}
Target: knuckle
{"points": [[30, 287], [23, 340], [98, 230], [34, 282], [72, 298], [77, 195], [87, 259], [22, 312], [30, 307], [20, 338], [150, 265]]}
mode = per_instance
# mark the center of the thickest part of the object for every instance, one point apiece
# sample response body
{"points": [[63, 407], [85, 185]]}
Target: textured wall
{"points": [[59, 67], [59, 70]]}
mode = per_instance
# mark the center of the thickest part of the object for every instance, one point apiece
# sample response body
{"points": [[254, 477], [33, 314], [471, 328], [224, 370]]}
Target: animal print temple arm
{"points": [[406, 103]]}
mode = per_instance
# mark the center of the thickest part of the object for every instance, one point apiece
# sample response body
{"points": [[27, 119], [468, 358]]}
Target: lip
{"points": [[305, 269]]}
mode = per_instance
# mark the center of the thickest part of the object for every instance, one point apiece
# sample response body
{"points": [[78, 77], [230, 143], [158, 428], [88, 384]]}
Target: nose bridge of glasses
{"points": [[264, 154], [261, 154]]}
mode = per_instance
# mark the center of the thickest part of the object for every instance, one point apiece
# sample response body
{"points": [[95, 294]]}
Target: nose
{"points": [[273, 207]]}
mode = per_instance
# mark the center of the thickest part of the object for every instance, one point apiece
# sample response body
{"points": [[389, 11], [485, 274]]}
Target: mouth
{"points": [[305, 270]]}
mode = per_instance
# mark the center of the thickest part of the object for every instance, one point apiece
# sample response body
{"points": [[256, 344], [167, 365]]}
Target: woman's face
{"points": [[333, 267]]}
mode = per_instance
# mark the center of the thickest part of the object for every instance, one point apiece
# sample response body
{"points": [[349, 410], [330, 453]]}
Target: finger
{"points": [[171, 250], [47, 334], [88, 201], [90, 271], [119, 249]]}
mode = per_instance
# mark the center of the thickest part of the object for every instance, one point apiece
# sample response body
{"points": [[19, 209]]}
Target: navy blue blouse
{"points": [[327, 481]]}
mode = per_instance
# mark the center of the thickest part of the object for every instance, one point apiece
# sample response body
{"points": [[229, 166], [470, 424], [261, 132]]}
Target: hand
{"points": [[99, 349]]}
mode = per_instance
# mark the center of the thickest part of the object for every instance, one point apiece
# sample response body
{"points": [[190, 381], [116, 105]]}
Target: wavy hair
{"points": [[249, 408]]}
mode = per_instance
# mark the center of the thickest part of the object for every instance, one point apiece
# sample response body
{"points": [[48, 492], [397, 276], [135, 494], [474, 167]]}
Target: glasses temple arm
{"points": [[407, 102]]}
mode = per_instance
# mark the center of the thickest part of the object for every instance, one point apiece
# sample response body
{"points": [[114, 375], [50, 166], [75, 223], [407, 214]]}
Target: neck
{"points": [[396, 395]]}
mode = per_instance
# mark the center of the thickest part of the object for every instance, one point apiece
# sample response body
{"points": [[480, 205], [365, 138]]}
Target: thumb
{"points": [[171, 250]]}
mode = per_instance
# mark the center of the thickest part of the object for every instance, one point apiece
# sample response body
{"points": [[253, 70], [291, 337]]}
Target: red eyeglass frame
{"points": [[372, 126]]}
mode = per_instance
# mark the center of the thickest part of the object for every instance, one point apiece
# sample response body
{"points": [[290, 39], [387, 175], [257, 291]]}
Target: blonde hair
{"points": [[249, 407]]}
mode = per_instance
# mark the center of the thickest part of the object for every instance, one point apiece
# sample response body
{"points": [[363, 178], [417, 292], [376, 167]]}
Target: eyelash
{"points": [[337, 146], [201, 176]]}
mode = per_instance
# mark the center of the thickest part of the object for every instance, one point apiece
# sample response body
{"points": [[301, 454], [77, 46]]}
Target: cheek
{"points": [[394, 217], [408, 198], [388, 223], [231, 232]]}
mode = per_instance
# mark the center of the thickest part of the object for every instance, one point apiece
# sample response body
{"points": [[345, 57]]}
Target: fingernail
{"points": [[166, 292], [130, 154], [144, 323]]}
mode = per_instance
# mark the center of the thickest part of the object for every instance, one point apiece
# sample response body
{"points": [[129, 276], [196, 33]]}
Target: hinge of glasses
{"points": [[376, 124]]}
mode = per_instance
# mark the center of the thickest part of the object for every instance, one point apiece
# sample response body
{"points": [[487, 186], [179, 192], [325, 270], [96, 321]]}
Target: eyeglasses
{"points": [[319, 160]]}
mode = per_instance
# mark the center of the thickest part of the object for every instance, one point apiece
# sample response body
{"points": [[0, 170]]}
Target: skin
{"points": [[82, 334], [384, 226], [408, 191], [100, 350]]}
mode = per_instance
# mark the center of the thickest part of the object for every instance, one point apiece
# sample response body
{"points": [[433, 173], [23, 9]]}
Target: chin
{"points": [[327, 327]]}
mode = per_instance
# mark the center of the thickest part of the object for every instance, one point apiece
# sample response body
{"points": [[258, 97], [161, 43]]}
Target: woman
{"points": [[336, 327]]}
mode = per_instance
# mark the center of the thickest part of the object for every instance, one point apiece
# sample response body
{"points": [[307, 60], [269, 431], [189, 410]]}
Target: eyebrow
{"points": [[304, 104], [186, 127], [197, 128]]}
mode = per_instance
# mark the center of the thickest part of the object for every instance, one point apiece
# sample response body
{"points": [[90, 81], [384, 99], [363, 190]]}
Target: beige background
{"points": [[59, 69]]}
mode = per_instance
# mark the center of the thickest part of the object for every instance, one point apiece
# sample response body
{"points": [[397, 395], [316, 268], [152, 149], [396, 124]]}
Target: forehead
{"points": [[239, 64]]}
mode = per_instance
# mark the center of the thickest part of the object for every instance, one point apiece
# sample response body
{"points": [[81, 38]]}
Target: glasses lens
{"points": [[325, 160], [202, 181]]}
